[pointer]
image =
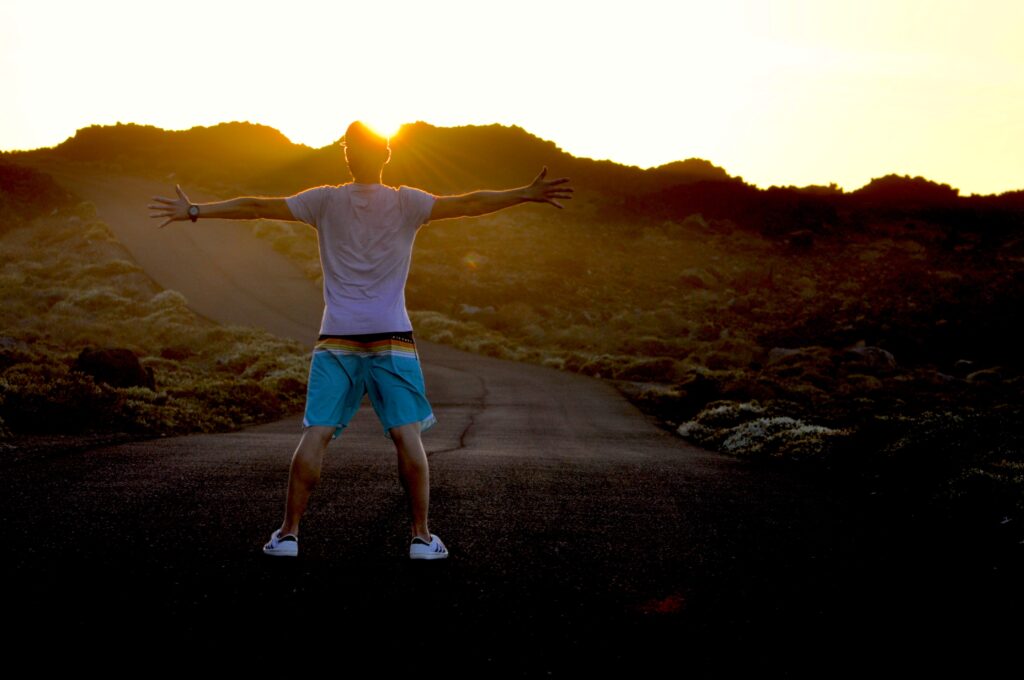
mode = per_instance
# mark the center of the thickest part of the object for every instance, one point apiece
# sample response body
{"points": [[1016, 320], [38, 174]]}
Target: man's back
{"points": [[366, 231], [366, 234]]}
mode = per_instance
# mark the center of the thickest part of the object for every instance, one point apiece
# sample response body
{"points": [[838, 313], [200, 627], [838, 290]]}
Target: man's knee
{"points": [[318, 436], [405, 435]]}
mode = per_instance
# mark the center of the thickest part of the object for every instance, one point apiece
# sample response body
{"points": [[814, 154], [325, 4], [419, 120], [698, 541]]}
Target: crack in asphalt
{"points": [[482, 403]]}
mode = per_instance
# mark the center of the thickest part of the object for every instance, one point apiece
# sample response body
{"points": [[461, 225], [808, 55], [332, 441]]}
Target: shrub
{"points": [[68, 284]]}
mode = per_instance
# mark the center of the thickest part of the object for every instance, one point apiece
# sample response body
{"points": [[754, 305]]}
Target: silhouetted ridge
{"points": [[234, 151], [905, 192], [101, 142], [1009, 199], [458, 159], [242, 157], [692, 170]]}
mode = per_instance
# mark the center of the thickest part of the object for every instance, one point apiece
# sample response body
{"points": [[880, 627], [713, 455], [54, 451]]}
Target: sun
{"points": [[384, 126]]}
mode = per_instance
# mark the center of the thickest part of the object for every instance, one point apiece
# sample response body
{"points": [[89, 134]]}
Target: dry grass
{"points": [[68, 284], [684, 316]]}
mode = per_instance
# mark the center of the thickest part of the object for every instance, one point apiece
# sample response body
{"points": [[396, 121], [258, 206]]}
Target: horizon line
{"points": [[842, 188]]}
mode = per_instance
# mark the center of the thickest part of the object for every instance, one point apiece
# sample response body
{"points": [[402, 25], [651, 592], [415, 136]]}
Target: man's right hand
{"points": [[240, 208], [174, 209]]}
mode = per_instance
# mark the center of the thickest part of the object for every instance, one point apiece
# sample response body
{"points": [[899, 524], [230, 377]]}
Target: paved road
{"points": [[582, 538]]}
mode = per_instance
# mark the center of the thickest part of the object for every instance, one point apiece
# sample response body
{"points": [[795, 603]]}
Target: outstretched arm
{"points": [[241, 208], [483, 202]]}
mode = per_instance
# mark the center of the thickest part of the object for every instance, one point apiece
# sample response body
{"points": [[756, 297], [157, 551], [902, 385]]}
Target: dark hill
{"points": [[906, 192], [200, 154], [692, 170], [242, 157], [237, 140]]}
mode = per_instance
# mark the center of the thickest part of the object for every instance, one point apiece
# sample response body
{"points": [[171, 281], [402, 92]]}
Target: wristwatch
{"points": [[193, 212]]}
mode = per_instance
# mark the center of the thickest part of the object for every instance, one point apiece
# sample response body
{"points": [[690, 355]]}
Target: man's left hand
{"points": [[548, 191]]}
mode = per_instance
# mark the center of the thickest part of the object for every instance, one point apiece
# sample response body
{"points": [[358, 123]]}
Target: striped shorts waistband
{"points": [[368, 345]]}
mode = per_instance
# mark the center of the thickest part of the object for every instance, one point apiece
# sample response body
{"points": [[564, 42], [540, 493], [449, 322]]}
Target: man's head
{"points": [[365, 150]]}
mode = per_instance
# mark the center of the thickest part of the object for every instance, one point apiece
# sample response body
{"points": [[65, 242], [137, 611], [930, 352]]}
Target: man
{"points": [[365, 231]]}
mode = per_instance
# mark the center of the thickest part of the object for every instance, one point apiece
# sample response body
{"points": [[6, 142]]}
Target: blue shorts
{"points": [[384, 365]]}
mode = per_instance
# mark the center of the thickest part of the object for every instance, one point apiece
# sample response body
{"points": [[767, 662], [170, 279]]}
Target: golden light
{"points": [[798, 93], [384, 126]]}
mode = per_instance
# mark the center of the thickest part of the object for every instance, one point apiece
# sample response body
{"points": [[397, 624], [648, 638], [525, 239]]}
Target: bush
{"points": [[68, 284], [746, 429]]}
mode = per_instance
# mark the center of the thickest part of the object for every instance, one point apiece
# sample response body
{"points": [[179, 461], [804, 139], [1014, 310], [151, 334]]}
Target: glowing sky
{"points": [[797, 92]]}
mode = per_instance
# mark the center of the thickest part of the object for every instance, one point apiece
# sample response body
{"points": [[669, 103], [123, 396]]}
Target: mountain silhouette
{"points": [[242, 157]]}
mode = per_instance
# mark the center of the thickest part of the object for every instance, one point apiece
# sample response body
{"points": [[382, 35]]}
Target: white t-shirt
{"points": [[366, 232]]}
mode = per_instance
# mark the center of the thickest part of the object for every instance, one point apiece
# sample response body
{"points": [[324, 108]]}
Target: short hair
{"points": [[360, 135]]}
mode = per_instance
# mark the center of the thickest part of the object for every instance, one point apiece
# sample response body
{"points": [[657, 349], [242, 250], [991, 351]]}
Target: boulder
{"points": [[938, 378], [471, 310], [747, 389], [777, 354], [794, 360], [114, 366], [986, 376], [176, 353], [857, 383], [13, 351], [10, 343], [802, 239], [870, 357], [963, 367], [696, 390], [695, 278]]}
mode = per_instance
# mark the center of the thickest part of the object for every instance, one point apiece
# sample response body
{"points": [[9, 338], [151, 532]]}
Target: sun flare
{"points": [[384, 126], [798, 93]]}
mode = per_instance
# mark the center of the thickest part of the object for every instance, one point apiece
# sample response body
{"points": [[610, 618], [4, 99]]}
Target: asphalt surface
{"points": [[583, 539]]}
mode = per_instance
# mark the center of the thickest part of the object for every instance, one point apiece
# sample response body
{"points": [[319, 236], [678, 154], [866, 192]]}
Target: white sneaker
{"points": [[421, 550], [282, 547]]}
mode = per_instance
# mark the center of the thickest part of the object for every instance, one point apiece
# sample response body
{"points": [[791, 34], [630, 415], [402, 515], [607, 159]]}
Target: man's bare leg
{"points": [[304, 475], [414, 473]]}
